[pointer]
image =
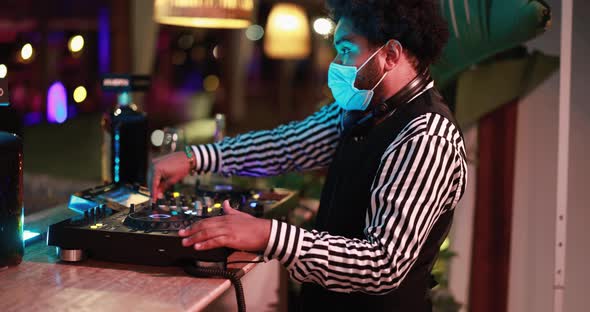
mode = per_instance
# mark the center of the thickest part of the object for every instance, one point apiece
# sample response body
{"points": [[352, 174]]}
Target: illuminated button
{"points": [[94, 227], [99, 224], [256, 196], [217, 205], [176, 194], [209, 209]]}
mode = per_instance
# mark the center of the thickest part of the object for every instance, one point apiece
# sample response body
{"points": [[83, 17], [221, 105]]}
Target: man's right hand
{"points": [[165, 171]]}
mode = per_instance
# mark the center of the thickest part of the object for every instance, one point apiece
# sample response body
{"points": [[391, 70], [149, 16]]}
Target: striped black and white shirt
{"points": [[428, 155]]}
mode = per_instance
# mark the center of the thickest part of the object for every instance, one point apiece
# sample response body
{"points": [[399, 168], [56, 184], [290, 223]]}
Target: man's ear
{"points": [[394, 51]]}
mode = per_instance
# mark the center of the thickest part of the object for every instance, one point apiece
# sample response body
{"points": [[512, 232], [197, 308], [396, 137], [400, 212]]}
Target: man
{"points": [[397, 168]]}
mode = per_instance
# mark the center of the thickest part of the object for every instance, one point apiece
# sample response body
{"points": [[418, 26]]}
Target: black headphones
{"points": [[382, 110]]}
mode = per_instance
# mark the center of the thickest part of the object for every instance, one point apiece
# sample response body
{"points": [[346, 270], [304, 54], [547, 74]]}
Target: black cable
{"points": [[213, 272]]}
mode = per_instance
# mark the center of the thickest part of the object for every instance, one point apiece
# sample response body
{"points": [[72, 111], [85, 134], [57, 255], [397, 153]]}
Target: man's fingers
{"points": [[204, 235], [155, 184], [227, 209], [202, 225], [217, 242], [164, 185]]}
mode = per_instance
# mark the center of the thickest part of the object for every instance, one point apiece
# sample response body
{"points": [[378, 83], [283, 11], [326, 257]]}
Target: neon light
{"points": [[28, 235], [117, 138], [124, 98], [32, 118], [57, 103], [104, 41], [4, 104]]}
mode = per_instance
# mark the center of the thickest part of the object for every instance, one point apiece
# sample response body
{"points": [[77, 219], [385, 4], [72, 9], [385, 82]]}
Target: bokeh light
{"points": [[157, 137], [216, 52], [186, 41], [26, 51], [323, 26], [178, 57], [80, 94], [211, 83], [254, 32], [3, 71], [57, 103], [76, 43]]}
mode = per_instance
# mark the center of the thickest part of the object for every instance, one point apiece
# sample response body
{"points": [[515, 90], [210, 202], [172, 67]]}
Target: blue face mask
{"points": [[341, 80]]}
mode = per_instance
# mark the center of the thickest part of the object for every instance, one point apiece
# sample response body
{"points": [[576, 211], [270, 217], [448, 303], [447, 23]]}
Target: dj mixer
{"points": [[119, 222]]}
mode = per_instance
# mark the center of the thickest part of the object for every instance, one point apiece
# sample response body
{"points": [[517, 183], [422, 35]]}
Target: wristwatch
{"points": [[192, 161]]}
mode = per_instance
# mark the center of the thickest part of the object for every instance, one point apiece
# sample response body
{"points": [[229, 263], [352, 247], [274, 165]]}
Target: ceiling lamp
{"points": [[287, 32], [204, 13]]}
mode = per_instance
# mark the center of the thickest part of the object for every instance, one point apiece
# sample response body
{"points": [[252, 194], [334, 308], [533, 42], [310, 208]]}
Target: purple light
{"points": [[104, 40], [32, 118], [159, 216], [57, 103]]}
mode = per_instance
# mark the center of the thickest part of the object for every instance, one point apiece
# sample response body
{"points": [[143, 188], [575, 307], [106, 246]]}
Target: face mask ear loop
{"points": [[383, 77], [370, 57]]}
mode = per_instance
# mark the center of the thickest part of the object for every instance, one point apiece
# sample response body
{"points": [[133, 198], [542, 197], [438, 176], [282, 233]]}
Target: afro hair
{"points": [[417, 24]]}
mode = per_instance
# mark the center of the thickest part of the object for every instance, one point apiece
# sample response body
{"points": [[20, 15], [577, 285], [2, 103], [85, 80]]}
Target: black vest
{"points": [[345, 199]]}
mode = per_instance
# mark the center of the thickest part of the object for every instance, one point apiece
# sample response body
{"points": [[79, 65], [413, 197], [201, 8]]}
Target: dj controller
{"points": [[120, 223]]}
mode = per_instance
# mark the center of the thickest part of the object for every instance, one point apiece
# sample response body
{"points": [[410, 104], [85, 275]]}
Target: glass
{"points": [[11, 200], [173, 141]]}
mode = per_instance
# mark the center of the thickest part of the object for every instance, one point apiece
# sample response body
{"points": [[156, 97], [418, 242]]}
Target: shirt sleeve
{"points": [[410, 191], [302, 145]]}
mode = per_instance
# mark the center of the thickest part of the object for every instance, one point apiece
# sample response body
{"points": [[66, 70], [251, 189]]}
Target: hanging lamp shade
{"points": [[204, 13], [287, 32]]}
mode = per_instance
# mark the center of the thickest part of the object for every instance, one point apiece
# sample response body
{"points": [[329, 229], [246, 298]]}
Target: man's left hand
{"points": [[235, 229]]}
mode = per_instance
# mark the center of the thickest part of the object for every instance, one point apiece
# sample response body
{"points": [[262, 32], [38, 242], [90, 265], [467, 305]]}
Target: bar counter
{"points": [[43, 283]]}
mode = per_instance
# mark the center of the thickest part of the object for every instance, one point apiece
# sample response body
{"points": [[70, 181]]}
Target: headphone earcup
{"points": [[381, 109], [409, 91]]}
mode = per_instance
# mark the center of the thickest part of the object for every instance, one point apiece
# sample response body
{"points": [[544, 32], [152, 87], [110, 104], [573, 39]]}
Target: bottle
{"points": [[125, 143], [11, 200], [219, 128], [221, 182], [216, 181]]}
